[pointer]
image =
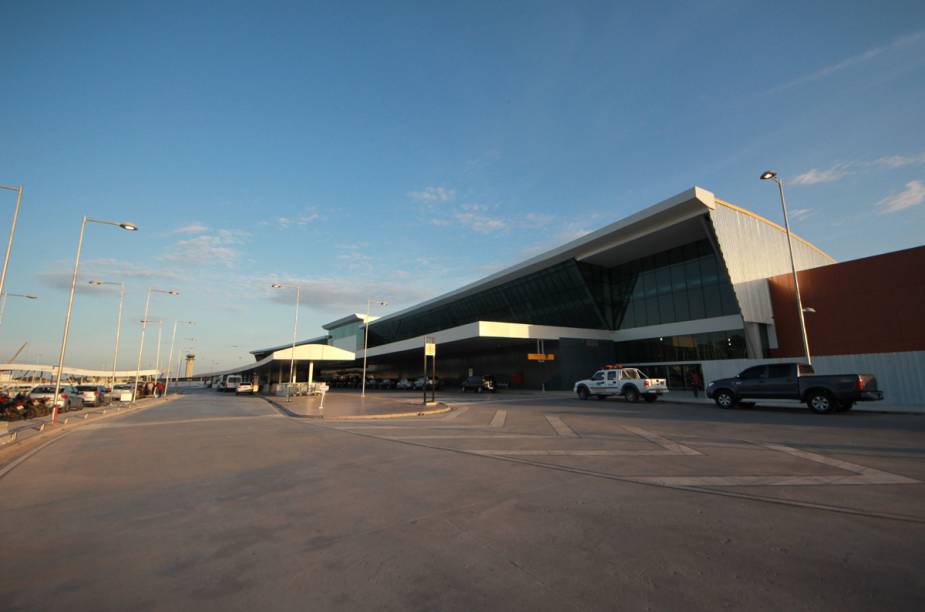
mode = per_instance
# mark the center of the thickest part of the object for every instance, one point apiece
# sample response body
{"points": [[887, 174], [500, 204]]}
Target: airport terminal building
{"points": [[679, 286]]}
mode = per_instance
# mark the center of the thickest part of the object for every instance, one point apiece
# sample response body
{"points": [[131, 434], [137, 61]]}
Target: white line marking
{"points": [[775, 481], [561, 428], [457, 412], [466, 436], [498, 420], [674, 447], [575, 453]]}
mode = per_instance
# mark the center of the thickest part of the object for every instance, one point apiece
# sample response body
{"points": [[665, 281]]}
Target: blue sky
{"points": [[399, 150]]}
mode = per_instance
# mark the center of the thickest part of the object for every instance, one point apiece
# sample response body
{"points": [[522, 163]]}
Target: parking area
{"points": [[862, 462]]}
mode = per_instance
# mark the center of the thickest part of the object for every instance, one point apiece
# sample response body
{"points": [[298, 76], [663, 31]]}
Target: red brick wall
{"points": [[870, 305]]}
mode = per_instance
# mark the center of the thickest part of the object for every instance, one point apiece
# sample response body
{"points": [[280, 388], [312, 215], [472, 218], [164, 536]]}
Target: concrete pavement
{"points": [[215, 502]]}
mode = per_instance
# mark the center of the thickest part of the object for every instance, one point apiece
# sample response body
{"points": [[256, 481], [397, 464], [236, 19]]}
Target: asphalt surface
{"points": [[216, 502]]}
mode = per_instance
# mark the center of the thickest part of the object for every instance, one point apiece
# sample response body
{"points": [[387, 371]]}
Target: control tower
{"points": [[190, 359]]}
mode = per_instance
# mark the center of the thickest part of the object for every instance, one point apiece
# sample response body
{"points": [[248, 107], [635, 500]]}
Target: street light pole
{"points": [[173, 337], [295, 327], [115, 350], [770, 174], [144, 326], [3, 297], [70, 304], [9, 243], [369, 302]]}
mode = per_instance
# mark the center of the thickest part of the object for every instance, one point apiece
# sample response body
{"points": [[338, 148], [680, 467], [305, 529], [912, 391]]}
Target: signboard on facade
{"points": [[541, 356], [430, 347]]}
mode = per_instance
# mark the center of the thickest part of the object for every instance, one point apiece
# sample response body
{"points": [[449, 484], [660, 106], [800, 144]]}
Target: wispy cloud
{"points": [[830, 175], [433, 195], [842, 169], [192, 228], [108, 269], [219, 247], [912, 195], [851, 62], [306, 217], [799, 214], [475, 217], [339, 295]]}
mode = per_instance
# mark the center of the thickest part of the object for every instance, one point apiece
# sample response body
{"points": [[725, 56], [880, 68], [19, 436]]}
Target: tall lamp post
{"points": [[3, 297], [772, 176], [115, 350], [173, 337], [70, 303], [369, 303], [144, 326], [9, 243], [295, 327]]}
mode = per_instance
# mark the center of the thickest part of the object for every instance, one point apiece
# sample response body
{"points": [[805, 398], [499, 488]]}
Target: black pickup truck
{"points": [[822, 394]]}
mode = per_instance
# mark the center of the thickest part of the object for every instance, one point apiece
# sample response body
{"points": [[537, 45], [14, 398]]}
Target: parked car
{"points": [[631, 383], [404, 385], [479, 384], [68, 396], [821, 393], [386, 383], [93, 395], [121, 393], [420, 383], [246, 387]]}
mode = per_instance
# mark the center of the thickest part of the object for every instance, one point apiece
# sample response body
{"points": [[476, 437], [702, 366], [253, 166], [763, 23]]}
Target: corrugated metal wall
{"points": [[753, 249], [899, 375]]}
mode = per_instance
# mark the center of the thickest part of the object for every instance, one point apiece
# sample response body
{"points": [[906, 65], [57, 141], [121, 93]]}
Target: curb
{"points": [[857, 408], [359, 417]]}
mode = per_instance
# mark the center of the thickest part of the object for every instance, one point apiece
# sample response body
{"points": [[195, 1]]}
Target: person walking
{"points": [[696, 381]]}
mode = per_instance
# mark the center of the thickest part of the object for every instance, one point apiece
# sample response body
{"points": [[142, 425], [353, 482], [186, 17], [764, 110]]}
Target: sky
{"points": [[399, 150]]}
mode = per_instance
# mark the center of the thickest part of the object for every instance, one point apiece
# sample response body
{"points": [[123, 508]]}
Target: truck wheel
{"points": [[631, 394], [650, 398], [725, 399], [583, 393], [820, 402]]}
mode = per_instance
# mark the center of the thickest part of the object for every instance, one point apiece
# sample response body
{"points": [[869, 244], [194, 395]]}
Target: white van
{"points": [[231, 382]]}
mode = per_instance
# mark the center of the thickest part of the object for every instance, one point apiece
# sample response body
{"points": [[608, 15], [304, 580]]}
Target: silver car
{"points": [[69, 397]]}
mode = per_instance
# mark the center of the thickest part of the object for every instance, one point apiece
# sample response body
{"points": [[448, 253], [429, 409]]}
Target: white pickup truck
{"points": [[628, 382]]}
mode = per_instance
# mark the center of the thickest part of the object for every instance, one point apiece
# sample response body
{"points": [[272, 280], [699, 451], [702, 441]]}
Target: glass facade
{"points": [[679, 284], [696, 347]]}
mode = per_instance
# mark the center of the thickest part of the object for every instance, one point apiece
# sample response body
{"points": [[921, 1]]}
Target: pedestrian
{"points": [[159, 389], [695, 381]]}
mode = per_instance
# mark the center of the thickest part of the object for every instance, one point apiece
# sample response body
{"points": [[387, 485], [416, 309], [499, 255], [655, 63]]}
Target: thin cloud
{"points": [[339, 295], [192, 228], [799, 214], [830, 175], [843, 169], [433, 195], [850, 62], [912, 195], [209, 249], [474, 217]]}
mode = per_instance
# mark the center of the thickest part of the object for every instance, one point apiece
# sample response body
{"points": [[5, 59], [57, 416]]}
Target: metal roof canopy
{"points": [[303, 353]]}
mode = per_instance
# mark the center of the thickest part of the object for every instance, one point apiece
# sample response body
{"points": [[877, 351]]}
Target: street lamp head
{"points": [[276, 286], [768, 174], [96, 282], [129, 226], [809, 310], [173, 293], [31, 297]]}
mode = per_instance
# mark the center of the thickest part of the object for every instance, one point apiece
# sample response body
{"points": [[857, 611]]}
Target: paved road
{"points": [[221, 503]]}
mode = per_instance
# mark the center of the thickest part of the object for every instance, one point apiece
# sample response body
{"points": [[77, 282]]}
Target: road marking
{"points": [[468, 436], [665, 443], [575, 453], [561, 428], [498, 420], [457, 412]]}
